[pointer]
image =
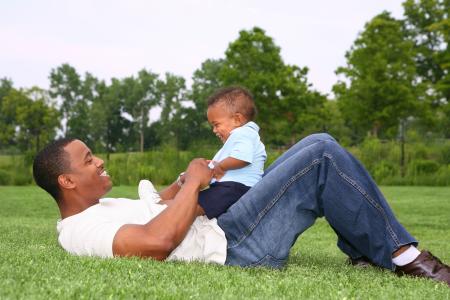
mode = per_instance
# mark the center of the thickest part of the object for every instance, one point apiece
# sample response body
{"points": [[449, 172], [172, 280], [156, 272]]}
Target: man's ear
{"points": [[66, 182]]}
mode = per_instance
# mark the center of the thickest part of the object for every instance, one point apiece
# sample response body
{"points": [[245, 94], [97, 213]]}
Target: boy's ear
{"points": [[239, 118], [66, 182]]}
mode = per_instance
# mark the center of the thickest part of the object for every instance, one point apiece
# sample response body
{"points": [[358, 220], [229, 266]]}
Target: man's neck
{"points": [[70, 206]]}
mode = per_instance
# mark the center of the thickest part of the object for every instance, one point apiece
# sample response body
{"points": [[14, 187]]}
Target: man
{"points": [[315, 178]]}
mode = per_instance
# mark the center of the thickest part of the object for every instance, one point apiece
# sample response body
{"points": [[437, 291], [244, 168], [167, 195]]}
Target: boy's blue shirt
{"points": [[244, 144]]}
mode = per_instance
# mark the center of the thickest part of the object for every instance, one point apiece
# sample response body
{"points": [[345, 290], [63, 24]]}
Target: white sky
{"points": [[118, 38]]}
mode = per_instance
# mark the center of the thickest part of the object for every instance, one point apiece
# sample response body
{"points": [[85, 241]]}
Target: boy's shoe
{"points": [[147, 191], [426, 265]]}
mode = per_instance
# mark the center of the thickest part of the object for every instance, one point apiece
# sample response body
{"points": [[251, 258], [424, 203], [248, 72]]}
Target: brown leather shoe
{"points": [[428, 266], [361, 262]]}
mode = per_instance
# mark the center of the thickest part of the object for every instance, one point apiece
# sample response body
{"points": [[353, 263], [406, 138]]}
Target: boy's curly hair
{"points": [[237, 99]]}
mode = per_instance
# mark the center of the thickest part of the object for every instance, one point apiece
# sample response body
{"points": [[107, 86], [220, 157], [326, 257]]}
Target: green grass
{"points": [[32, 265]]}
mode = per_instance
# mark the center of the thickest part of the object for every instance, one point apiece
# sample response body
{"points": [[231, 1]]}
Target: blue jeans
{"points": [[315, 178]]}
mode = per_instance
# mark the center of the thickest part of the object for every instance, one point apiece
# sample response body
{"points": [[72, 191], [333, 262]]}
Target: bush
{"points": [[5, 177], [383, 171], [443, 175], [445, 154], [422, 167], [425, 164]]}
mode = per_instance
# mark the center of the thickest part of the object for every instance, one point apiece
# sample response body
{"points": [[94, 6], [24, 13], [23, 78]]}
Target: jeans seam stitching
{"points": [[277, 197], [378, 207]]}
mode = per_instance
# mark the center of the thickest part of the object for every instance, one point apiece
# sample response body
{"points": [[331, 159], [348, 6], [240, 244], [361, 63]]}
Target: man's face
{"points": [[87, 171]]}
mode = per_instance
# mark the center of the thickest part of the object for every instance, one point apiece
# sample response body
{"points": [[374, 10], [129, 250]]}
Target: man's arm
{"points": [[169, 192], [159, 237]]}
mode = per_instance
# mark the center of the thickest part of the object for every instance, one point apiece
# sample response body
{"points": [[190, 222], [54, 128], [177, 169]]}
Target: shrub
{"points": [[425, 164], [422, 167], [443, 175], [5, 177], [384, 170], [445, 154]]}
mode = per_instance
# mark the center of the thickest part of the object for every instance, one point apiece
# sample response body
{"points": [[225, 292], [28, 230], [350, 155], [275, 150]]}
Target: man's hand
{"points": [[199, 172]]}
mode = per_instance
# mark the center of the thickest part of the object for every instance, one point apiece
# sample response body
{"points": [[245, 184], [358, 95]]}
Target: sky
{"points": [[118, 38]]}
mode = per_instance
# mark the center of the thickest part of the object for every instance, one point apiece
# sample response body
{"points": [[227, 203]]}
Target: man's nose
{"points": [[99, 162]]}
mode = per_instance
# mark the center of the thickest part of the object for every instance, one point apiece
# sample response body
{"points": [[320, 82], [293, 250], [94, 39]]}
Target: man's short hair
{"points": [[49, 163], [237, 99]]}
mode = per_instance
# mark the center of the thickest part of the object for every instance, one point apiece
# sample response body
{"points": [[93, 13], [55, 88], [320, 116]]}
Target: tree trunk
{"points": [[142, 131], [375, 130], [402, 148]]}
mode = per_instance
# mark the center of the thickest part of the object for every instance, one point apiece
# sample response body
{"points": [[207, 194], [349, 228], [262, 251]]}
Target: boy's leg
{"points": [[319, 179], [220, 196]]}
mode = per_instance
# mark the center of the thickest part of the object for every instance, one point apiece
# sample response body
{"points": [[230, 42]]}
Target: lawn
{"points": [[32, 265]]}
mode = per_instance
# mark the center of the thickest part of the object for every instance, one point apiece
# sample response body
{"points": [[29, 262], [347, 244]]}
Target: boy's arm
{"points": [[231, 163], [228, 163]]}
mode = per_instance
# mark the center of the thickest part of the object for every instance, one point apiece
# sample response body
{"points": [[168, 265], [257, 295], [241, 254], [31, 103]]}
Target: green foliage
{"points": [[426, 164], [287, 107], [161, 166], [396, 76], [28, 119], [77, 95], [33, 265], [445, 153], [15, 170], [423, 167], [384, 169], [381, 69], [5, 177], [139, 95]]}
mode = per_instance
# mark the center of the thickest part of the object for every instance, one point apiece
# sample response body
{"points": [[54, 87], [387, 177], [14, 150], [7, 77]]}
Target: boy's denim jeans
{"points": [[314, 178]]}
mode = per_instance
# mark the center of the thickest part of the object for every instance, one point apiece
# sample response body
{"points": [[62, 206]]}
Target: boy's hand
{"points": [[218, 172]]}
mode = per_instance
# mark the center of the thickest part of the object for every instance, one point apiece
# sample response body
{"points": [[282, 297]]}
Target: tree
{"points": [[109, 125], [141, 94], [381, 88], [38, 120], [428, 25], [205, 81], [5, 86], [172, 91], [76, 96], [32, 121], [6, 117], [282, 94]]}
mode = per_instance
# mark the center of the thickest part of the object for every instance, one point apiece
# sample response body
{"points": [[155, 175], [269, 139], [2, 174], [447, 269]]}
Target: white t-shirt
{"points": [[92, 231]]}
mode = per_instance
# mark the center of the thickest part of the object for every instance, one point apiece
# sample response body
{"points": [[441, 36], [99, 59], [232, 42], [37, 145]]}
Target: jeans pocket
{"points": [[270, 262]]}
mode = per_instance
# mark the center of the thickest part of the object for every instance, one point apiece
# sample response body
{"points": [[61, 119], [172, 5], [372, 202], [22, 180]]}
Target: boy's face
{"points": [[223, 121]]}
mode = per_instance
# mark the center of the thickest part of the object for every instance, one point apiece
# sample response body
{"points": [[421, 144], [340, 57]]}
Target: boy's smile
{"points": [[222, 120]]}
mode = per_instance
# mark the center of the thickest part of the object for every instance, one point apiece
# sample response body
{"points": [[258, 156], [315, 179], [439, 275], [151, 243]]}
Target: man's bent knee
{"points": [[321, 137]]}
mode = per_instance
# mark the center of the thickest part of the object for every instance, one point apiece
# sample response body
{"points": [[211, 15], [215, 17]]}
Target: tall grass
{"points": [[425, 163]]}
